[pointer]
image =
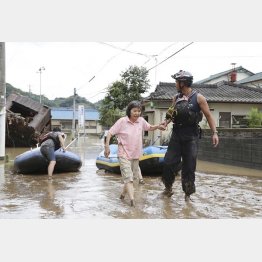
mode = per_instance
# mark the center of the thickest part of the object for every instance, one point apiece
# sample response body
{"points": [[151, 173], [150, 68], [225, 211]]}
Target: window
{"points": [[239, 121], [225, 119]]}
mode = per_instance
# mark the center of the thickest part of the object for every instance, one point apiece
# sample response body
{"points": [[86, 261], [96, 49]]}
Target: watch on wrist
{"points": [[215, 132]]}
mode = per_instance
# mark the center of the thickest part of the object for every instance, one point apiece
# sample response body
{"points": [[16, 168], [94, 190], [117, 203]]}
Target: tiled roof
{"points": [[238, 69], [220, 92], [67, 114], [26, 102], [253, 78]]}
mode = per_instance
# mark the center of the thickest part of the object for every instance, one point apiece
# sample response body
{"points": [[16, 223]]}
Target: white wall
{"points": [[234, 108], [257, 84], [96, 128], [156, 116], [240, 76]]}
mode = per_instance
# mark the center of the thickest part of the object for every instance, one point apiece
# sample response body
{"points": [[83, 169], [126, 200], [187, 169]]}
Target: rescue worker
{"points": [[185, 113]]}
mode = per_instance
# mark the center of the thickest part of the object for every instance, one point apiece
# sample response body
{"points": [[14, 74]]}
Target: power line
{"points": [[111, 58], [170, 56], [126, 50], [153, 66], [106, 63], [163, 50]]}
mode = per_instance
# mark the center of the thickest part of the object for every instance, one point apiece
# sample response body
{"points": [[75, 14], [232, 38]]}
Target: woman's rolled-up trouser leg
{"points": [[127, 175], [136, 169]]}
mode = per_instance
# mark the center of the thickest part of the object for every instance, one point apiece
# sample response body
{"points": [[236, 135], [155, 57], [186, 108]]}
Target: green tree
{"points": [[109, 114], [254, 118], [117, 95], [133, 84], [136, 83]]}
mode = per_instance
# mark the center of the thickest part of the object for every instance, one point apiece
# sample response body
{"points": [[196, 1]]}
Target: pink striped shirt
{"points": [[129, 136]]}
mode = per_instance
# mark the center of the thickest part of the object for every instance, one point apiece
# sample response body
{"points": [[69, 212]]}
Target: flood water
{"points": [[90, 193]]}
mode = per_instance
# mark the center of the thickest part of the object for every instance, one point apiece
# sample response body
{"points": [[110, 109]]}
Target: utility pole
{"points": [[2, 100], [74, 111], [74, 115], [40, 72], [156, 71]]}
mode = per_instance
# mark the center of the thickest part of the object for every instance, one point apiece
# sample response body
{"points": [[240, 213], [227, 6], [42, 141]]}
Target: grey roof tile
{"points": [[221, 92]]}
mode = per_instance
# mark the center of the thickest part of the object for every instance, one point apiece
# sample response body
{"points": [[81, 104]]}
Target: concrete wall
{"points": [[240, 147]]}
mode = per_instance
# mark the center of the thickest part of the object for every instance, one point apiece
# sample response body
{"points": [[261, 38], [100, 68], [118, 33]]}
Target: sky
{"points": [[91, 67]]}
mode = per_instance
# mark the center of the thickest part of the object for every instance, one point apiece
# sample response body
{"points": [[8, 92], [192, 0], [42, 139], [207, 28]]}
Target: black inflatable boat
{"points": [[33, 162]]}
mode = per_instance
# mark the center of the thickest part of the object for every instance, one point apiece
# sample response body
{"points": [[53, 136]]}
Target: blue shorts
{"points": [[48, 152]]}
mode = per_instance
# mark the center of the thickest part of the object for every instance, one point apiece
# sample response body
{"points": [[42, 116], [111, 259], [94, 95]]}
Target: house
{"points": [[229, 104], [231, 75], [63, 118], [252, 81], [238, 75], [26, 119]]}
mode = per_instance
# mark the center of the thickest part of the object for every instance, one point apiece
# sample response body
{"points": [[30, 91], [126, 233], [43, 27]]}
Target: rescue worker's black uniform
{"points": [[183, 145]]}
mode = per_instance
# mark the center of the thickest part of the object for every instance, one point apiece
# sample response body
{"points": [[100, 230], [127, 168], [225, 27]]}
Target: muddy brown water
{"points": [[90, 193]]}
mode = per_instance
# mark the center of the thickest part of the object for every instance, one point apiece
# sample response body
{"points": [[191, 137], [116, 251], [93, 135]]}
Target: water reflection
{"points": [[49, 202], [90, 193]]}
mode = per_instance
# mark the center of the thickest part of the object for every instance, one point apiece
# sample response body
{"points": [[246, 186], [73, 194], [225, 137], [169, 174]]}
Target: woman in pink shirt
{"points": [[129, 130]]}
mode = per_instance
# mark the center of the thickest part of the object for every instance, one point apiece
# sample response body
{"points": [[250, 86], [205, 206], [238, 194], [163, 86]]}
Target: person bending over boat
{"points": [[185, 113], [129, 130], [49, 144]]}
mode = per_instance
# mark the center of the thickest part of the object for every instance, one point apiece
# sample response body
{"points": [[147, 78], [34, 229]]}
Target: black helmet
{"points": [[182, 76]]}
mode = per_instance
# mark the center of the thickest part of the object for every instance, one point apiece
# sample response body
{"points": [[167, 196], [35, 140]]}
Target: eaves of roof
{"points": [[67, 114], [253, 78], [240, 68], [223, 92]]}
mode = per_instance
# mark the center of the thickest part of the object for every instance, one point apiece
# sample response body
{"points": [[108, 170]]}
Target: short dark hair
{"points": [[131, 105], [56, 129]]}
